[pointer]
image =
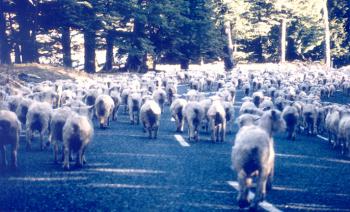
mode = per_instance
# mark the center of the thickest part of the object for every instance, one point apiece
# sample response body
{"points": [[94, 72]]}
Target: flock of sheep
{"points": [[277, 99]]}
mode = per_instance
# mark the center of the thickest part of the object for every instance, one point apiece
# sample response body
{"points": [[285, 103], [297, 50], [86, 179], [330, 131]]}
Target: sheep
{"points": [[22, 110], [320, 122], [291, 117], [217, 120], [134, 104], [247, 119], [267, 104], [160, 96], [344, 134], [117, 102], [150, 117], [171, 91], [12, 102], [38, 119], [230, 113], [59, 118], [309, 118], [258, 98], [249, 107], [104, 109], [253, 155], [77, 134], [10, 128], [332, 125], [194, 114], [176, 109]]}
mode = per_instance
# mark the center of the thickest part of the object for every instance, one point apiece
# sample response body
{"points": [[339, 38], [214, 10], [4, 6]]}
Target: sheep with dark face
{"points": [[258, 98], [104, 110], [77, 134], [217, 121], [38, 119], [59, 118], [291, 117], [253, 155], [150, 117], [194, 114], [230, 115], [176, 109], [9, 133]]}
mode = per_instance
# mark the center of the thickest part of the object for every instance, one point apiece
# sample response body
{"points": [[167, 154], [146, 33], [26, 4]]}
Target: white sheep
{"points": [[117, 102], [10, 128], [258, 98], [291, 117], [217, 120], [22, 110], [171, 91], [59, 118], [344, 134], [230, 114], [160, 96], [247, 119], [309, 118], [176, 109], [77, 134], [38, 119], [150, 117], [194, 114], [253, 155], [104, 109], [134, 105]]}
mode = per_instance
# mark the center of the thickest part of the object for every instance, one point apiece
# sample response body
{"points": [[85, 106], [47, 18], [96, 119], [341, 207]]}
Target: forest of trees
{"points": [[176, 31]]}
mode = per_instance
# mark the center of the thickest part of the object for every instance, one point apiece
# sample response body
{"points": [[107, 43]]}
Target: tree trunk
{"points": [[66, 48], [137, 62], [283, 40], [89, 51], [109, 51], [185, 64], [259, 50], [327, 35], [228, 49], [27, 31], [5, 57]]}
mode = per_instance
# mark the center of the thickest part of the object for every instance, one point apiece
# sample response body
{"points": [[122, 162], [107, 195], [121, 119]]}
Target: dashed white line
{"points": [[172, 119], [265, 205], [181, 140], [319, 136]]}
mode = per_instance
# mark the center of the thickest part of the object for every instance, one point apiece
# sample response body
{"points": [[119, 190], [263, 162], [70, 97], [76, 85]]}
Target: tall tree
{"points": [[4, 45]]}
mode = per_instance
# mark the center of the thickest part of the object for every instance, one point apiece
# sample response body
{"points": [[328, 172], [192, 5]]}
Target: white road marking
{"points": [[172, 119], [265, 205], [323, 138], [181, 140], [319, 136]]}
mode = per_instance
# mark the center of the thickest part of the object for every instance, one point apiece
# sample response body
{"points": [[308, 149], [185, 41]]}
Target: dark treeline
{"points": [[181, 31]]}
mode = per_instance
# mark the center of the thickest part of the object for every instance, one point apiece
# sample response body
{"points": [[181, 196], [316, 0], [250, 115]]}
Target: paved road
{"points": [[128, 172]]}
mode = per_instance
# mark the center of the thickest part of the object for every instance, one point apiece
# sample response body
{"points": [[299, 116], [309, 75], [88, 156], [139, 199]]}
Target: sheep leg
{"points": [[260, 190], [66, 159], [242, 197], [42, 146], [155, 132], [79, 160], [3, 156], [55, 153], [223, 132], [149, 132], [29, 139], [14, 156]]}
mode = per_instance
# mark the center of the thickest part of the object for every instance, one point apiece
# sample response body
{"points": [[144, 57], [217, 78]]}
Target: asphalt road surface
{"points": [[126, 171]]}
